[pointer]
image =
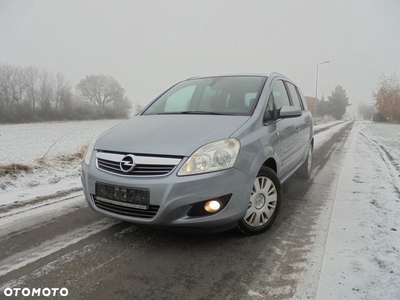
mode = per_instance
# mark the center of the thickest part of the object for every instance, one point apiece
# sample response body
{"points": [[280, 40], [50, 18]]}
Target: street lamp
{"points": [[316, 81], [316, 86]]}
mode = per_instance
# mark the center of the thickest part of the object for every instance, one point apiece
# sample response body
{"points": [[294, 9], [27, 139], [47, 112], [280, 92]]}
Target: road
{"points": [[99, 258]]}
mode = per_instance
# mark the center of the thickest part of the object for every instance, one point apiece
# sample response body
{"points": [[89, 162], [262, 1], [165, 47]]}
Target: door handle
{"points": [[297, 129]]}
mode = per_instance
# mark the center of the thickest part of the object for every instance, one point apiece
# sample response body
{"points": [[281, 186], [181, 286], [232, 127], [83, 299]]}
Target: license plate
{"points": [[137, 198]]}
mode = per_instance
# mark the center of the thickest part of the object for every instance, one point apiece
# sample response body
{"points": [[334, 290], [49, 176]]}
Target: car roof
{"points": [[264, 75]]}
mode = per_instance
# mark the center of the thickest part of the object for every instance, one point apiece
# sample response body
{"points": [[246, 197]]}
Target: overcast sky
{"points": [[149, 45]]}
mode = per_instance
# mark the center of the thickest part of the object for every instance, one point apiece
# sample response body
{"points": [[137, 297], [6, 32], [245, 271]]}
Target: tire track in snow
{"points": [[393, 168], [23, 258], [141, 237], [24, 219]]}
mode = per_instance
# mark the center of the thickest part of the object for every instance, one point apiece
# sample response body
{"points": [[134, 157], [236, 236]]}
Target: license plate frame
{"points": [[135, 197]]}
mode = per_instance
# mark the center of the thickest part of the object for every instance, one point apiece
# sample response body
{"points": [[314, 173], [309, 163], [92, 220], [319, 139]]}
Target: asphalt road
{"points": [[99, 258]]}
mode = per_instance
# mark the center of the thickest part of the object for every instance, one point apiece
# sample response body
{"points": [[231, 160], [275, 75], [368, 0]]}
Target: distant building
{"points": [[312, 104]]}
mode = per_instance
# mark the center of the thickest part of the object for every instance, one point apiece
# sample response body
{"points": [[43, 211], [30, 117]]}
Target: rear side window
{"points": [[303, 100], [294, 95], [280, 95]]}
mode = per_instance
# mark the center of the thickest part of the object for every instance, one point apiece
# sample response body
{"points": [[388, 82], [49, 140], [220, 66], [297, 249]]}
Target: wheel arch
{"points": [[265, 158], [271, 163]]}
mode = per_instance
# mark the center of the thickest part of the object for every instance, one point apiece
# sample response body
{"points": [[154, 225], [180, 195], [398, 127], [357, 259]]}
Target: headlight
{"points": [[89, 151], [212, 157]]}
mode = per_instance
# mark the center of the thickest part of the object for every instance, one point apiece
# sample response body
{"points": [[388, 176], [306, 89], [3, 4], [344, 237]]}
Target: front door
{"points": [[287, 131]]}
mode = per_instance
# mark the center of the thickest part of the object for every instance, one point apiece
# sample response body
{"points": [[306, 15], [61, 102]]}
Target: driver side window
{"points": [[280, 95]]}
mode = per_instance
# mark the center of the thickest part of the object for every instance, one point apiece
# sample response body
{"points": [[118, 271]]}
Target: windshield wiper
{"points": [[194, 112], [201, 112]]}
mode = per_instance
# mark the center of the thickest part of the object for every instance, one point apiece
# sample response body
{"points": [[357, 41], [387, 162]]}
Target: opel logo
{"points": [[127, 163]]}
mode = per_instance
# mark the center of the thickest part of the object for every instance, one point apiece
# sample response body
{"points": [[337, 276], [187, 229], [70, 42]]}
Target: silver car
{"points": [[208, 154]]}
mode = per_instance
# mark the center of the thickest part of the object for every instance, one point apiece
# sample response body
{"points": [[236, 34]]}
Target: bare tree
{"points": [[29, 94], [66, 104], [6, 90], [61, 85], [20, 84], [46, 91], [100, 90], [31, 79]]}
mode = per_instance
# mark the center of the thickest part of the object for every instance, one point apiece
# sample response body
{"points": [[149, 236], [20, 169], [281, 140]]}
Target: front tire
{"points": [[264, 203]]}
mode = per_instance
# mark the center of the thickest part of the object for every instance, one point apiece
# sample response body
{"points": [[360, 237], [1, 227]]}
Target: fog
{"points": [[149, 45]]}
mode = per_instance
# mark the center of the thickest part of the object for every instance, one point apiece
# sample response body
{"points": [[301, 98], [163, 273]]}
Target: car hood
{"points": [[168, 134]]}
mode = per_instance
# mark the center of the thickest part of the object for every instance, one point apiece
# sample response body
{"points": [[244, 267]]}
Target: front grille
{"points": [[127, 211], [144, 165], [138, 170]]}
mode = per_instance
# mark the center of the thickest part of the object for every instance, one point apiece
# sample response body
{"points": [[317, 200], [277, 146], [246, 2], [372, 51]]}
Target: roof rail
{"points": [[193, 77], [277, 74]]}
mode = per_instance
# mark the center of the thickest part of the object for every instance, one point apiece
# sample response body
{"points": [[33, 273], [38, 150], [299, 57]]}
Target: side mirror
{"points": [[289, 112]]}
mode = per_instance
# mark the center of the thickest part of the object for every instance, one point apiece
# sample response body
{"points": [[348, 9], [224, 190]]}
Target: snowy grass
{"points": [[42, 158], [25, 143], [13, 169]]}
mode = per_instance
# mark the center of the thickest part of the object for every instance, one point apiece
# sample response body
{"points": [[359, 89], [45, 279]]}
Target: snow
{"points": [[386, 136], [38, 214], [322, 137], [324, 125], [25, 143], [22, 191], [363, 248], [361, 256]]}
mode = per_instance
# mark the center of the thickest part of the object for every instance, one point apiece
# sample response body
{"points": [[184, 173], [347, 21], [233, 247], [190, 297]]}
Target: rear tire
{"points": [[305, 170], [264, 203]]}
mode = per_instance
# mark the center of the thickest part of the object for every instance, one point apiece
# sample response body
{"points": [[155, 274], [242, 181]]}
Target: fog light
{"points": [[212, 206]]}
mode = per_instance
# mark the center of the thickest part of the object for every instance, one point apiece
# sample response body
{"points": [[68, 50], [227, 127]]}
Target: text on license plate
{"points": [[138, 198]]}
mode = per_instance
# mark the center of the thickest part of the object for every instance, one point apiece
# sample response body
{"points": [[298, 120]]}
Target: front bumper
{"points": [[175, 196]]}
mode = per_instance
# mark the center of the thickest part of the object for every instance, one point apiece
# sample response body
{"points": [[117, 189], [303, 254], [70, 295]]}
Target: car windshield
{"points": [[214, 96]]}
